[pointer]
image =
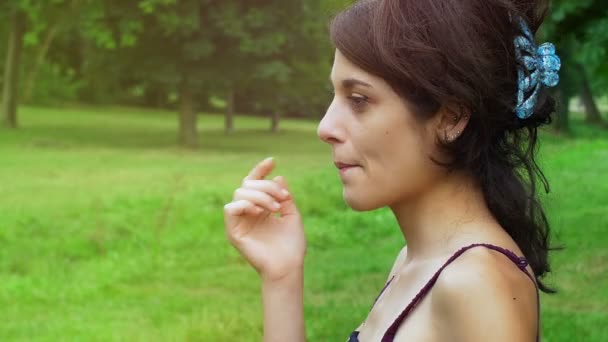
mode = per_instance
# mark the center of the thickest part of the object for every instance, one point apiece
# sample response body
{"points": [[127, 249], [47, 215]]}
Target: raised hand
{"points": [[263, 223]]}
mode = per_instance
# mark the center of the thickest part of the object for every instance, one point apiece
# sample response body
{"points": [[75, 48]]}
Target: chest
{"points": [[418, 325]]}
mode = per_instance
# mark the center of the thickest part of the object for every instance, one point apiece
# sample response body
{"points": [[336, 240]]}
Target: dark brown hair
{"points": [[459, 54]]}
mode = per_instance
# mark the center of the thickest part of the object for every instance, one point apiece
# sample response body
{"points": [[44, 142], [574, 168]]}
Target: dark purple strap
{"points": [[521, 262], [382, 291]]}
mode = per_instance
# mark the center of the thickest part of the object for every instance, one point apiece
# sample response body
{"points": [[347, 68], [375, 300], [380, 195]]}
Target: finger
{"points": [[234, 210], [258, 198], [288, 207], [262, 169], [242, 207], [269, 186], [238, 208], [232, 213]]}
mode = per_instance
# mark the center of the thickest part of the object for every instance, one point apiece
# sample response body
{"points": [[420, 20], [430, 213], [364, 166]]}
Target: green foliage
{"points": [[110, 233], [581, 28], [40, 14], [274, 55], [55, 86], [215, 46]]}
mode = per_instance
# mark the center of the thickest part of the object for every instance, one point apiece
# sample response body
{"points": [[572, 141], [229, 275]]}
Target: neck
{"points": [[449, 214]]}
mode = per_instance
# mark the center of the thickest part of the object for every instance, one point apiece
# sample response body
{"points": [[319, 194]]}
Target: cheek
{"points": [[405, 167], [397, 165], [405, 156], [399, 150]]}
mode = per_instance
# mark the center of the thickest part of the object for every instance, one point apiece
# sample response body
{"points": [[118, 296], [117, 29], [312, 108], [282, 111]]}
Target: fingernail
{"points": [[285, 192], [276, 205]]}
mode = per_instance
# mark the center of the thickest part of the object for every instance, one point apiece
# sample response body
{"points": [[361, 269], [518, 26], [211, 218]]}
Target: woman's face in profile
{"points": [[368, 125]]}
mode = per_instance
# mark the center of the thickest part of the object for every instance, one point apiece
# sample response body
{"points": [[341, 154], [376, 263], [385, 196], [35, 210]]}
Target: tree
{"points": [[170, 48], [293, 77], [57, 17], [10, 97], [223, 49], [28, 20], [586, 95], [580, 31]]}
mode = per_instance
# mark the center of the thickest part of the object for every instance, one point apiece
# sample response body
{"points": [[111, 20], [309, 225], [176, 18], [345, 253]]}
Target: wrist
{"points": [[283, 302], [295, 278]]}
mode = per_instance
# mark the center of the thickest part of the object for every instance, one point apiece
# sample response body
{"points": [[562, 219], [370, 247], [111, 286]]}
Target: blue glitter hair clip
{"points": [[537, 66]]}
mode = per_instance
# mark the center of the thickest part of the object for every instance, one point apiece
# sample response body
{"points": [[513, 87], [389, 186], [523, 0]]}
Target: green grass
{"points": [[109, 232]]}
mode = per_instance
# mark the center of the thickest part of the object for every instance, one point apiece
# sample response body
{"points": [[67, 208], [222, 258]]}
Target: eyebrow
{"points": [[351, 82]]}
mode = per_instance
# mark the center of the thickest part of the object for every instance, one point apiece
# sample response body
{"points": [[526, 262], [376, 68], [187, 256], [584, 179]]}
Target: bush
{"points": [[54, 85]]}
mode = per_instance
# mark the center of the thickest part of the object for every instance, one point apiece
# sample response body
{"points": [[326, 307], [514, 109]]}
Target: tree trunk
{"points": [[592, 112], [10, 93], [44, 48], [229, 119], [561, 120], [188, 134], [276, 117]]}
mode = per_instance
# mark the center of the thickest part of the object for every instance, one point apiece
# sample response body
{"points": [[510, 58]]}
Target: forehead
{"points": [[345, 69]]}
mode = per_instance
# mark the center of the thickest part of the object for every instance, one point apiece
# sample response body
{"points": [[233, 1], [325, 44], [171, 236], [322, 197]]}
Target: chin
{"points": [[360, 203]]}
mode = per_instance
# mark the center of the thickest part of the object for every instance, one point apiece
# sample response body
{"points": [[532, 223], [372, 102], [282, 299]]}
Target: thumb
{"points": [[288, 206]]}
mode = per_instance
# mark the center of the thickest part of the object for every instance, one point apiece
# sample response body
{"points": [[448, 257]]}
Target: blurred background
{"points": [[126, 126]]}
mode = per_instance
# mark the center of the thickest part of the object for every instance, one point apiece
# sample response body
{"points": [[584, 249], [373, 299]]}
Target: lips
{"points": [[341, 165]]}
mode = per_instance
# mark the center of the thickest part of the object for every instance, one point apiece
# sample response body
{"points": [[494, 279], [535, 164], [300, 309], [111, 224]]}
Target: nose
{"points": [[328, 130]]}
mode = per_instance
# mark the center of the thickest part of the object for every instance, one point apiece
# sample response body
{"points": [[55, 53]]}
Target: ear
{"points": [[452, 119]]}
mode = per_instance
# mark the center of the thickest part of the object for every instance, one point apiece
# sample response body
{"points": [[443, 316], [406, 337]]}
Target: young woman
{"points": [[435, 115]]}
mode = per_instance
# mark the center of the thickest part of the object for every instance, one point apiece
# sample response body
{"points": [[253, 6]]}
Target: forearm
{"points": [[283, 302]]}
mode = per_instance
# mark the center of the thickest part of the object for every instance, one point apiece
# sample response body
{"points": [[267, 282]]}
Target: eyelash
{"points": [[358, 101]]}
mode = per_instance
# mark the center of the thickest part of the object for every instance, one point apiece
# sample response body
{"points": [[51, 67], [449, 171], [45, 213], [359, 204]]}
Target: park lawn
{"points": [[109, 232]]}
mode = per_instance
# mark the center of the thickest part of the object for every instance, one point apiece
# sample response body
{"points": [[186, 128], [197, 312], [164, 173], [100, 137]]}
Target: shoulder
{"points": [[484, 296], [396, 265], [398, 262]]}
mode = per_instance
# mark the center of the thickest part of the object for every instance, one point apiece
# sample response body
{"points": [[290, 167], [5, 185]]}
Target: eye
{"points": [[358, 101]]}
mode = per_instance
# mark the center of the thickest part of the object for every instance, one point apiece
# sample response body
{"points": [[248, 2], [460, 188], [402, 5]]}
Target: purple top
{"points": [[389, 335]]}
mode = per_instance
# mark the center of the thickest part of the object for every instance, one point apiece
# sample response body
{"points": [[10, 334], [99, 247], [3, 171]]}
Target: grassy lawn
{"points": [[109, 232]]}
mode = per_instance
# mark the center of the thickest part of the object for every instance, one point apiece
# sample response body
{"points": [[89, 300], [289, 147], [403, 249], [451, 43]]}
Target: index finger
{"points": [[261, 170]]}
